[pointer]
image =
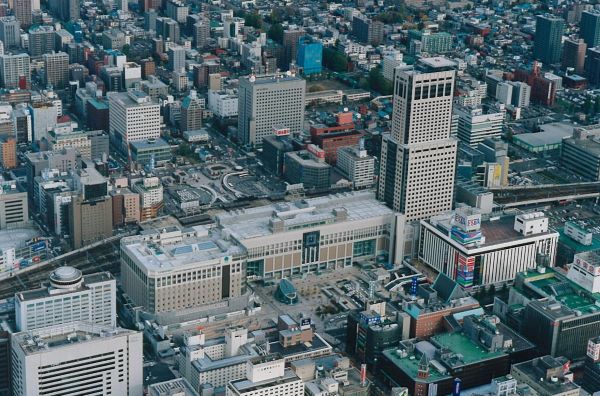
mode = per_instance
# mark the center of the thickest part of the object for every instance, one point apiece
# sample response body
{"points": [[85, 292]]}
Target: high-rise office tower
{"points": [[574, 55], [15, 71], [22, 11], [133, 116], [168, 28], [56, 68], [290, 46], [176, 58], [367, 31], [66, 10], [192, 108], [68, 297], [590, 27], [265, 102], [592, 65], [201, 33], [77, 358], [10, 33], [418, 159], [548, 38]]}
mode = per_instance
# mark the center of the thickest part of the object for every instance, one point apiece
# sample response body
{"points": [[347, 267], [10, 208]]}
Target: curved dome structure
{"points": [[65, 277], [286, 293]]}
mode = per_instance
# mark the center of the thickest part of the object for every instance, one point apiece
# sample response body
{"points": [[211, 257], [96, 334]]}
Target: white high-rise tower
{"points": [[418, 160]]}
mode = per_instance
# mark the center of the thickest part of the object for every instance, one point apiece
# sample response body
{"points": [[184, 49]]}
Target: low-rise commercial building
{"points": [[307, 167], [480, 253], [546, 376], [581, 153]]}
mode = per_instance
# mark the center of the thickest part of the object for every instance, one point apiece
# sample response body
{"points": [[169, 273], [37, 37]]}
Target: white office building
{"points": [[479, 253], [391, 60], [133, 116], [223, 104], [418, 159], [474, 126], [585, 270], [68, 297], [216, 361], [268, 101], [77, 359], [356, 165], [267, 376]]}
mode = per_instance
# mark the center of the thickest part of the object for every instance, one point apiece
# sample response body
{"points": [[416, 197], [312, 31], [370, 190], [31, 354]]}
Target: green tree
{"points": [[253, 20], [334, 60], [184, 150], [597, 105], [588, 106], [378, 83], [275, 33]]}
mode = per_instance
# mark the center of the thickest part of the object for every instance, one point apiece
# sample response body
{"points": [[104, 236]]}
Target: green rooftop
{"points": [[576, 246], [460, 344], [568, 292], [410, 365]]}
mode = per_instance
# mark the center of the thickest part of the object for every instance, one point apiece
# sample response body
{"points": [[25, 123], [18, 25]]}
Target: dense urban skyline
{"points": [[306, 198]]}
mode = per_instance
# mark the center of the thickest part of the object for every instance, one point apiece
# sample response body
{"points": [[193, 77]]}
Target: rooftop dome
{"points": [[65, 277]]}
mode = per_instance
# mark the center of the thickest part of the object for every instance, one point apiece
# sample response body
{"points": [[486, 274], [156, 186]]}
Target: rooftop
{"points": [[246, 386], [410, 365], [568, 295], [316, 344], [536, 370], [179, 386], [463, 350], [174, 248], [43, 292], [591, 145], [495, 231], [149, 144], [55, 337], [17, 237], [256, 222], [551, 134], [576, 246]]}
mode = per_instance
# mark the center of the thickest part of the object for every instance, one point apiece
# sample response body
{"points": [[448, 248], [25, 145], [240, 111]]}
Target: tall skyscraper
{"points": [[265, 102], [77, 358], [22, 11], [590, 28], [418, 159], [574, 55], [133, 116], [56, 68], [15, 71], [548, 39]]}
